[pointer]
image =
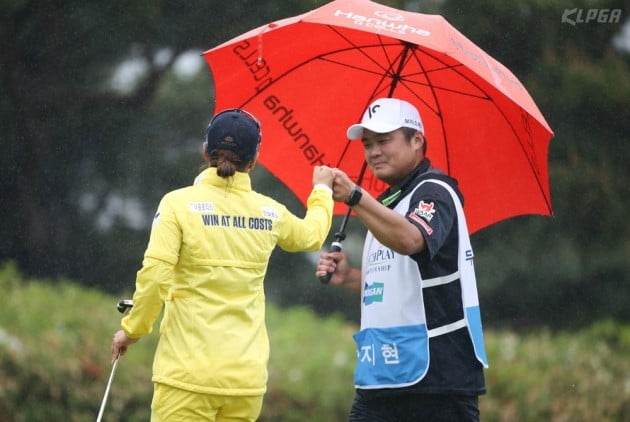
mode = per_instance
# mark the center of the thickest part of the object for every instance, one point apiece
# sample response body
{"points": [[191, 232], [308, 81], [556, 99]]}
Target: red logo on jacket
{"points": [[425, 210]]}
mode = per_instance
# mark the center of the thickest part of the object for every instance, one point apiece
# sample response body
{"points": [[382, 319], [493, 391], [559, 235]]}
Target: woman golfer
{"points": [[205, 263]]}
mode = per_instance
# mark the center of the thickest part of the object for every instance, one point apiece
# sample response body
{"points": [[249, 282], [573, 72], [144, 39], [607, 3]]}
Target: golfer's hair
{"points": [[409, 133], [226, 162]]}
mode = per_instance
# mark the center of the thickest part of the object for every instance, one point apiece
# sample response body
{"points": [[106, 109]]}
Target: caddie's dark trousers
{"points": [[416, 408]]}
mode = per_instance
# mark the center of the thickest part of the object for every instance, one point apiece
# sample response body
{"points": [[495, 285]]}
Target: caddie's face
{"points": [[390, 156]]}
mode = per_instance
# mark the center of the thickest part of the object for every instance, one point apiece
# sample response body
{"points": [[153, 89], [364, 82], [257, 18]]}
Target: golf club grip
{"points": [[124, 305], [334, 247]]}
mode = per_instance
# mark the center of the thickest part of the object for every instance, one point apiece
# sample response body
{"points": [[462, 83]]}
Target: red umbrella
{"points": [[308, 77]]}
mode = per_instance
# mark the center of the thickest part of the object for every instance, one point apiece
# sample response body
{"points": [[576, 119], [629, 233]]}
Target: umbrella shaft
{"points": [[396, 76], [344, 222]]}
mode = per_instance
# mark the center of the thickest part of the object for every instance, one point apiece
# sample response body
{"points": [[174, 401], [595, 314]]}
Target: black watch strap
{"points": [[355, 196]]}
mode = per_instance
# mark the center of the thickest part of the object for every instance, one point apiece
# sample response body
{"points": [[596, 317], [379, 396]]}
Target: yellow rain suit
{"points": [[205, 262]]}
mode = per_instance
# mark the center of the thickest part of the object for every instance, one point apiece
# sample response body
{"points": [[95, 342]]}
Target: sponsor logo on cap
{"points": [[372, 110], [412, 122]]}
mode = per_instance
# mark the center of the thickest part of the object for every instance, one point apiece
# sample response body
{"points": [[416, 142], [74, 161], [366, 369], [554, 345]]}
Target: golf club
{"points": [[109, 383], [124, 305]]}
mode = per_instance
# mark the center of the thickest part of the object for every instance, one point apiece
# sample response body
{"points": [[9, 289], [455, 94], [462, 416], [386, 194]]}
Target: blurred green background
{"points": [[103, 106]]}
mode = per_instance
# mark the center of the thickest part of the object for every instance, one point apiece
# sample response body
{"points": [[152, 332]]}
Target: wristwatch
{"points": [[355, 196]]}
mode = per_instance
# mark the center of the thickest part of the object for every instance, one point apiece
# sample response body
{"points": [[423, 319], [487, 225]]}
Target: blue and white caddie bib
{"points": [[393, 343]]}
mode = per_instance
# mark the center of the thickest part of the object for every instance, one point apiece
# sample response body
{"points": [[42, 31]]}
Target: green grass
{"points": [[55, 352]]}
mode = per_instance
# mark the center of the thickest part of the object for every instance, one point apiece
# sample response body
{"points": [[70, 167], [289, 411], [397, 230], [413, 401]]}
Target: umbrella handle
{"points": [[340, 236], [335, 246]]}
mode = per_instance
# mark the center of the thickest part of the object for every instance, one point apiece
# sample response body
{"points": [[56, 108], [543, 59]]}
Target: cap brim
{"points": [[356, 131]]}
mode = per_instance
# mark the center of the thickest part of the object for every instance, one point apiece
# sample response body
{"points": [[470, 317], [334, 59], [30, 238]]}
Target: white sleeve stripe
{"points": [[448, 328], [432, 282]]}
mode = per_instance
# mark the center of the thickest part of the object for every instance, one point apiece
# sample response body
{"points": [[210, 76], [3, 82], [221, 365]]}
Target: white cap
{"points": [[386, 115]]}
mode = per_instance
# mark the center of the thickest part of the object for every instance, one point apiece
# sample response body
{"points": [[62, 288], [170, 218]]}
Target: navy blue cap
{"points": [[234, 130]]}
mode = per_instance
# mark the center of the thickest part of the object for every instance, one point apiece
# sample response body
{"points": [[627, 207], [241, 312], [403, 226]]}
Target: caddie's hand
{"points": [[335, 263], [120, 342], [342, 186], [323, 174]]}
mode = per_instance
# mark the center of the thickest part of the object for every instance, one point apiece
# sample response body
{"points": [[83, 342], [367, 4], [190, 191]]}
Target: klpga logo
{"points": [[575, 16], [373, 293]]}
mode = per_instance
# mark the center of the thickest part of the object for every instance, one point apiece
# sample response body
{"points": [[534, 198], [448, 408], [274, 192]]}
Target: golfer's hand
{"points": [[120, 342], [335, 263], [342, 186], [323, 174]]}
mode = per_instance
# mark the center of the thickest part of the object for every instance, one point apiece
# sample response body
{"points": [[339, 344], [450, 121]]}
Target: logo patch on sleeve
{"points": [[420, 221], [270, 212], [425, 210], [201, 206]]}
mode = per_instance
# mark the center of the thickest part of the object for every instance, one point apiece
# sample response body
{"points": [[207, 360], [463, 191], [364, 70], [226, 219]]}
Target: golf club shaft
{"points": [[109, 383]]}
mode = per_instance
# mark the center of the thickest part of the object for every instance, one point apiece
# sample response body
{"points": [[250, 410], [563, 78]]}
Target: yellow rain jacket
{"points": [[205, 262]]}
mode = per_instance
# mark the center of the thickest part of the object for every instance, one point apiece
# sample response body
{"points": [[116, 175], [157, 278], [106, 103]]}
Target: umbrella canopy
{"points": [[308, 77]]}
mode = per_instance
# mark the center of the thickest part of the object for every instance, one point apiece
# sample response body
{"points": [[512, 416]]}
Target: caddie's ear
{"points": [[418, 139], [424, 143]]}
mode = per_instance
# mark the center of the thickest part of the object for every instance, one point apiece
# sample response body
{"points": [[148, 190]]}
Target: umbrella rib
{"points": [[438, 112], [402, 53], [381, 44], [322, 57], [489, 98], [325, 59], [520, 142], [445, 67], [360, 48], [387, 72], [532, 166], [441, 88], [433, 88]]}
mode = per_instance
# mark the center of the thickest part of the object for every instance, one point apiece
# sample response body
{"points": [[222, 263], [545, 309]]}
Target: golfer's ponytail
{"points": [[226, 162]]}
